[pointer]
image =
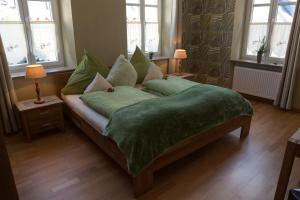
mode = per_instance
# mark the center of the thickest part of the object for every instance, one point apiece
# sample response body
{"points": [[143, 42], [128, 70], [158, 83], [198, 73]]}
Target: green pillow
{"points": [[141, 64], [83, 75], [122, 73]]}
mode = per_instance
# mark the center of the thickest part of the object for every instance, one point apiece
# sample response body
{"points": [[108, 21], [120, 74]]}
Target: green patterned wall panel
{"points": [[207, 36]]}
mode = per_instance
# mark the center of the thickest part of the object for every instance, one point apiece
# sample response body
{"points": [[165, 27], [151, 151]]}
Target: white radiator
{"points": [[255, 82]]}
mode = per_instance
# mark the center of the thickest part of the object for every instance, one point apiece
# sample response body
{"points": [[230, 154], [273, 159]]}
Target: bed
{"points": [[93, 125]]}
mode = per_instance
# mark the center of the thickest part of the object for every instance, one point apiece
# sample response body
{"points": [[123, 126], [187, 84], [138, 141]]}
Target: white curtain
{"points": [[172, 29], [8, 118], [286, 90], [175, 26]]}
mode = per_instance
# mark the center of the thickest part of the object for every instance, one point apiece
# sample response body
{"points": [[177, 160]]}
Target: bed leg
{"points": [[245, 129], [143, 182]]}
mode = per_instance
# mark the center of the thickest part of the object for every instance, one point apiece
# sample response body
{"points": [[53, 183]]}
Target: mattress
{"points": [[96, 120]]}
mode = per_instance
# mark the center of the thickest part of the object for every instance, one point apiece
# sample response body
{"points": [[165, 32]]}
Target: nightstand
{"points": [[37, 118], [187, 76]]}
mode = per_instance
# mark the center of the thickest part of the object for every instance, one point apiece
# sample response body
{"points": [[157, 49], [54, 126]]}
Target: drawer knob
{"points": [[44, 113], [47, 124]]}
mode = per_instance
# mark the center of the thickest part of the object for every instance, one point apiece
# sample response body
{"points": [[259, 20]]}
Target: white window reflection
{"points": [[39, 43], [275, 27], [143, 25]]}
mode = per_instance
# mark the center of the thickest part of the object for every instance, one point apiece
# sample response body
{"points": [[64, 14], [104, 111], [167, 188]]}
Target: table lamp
{"points": [[180, 54], [36, 72]]}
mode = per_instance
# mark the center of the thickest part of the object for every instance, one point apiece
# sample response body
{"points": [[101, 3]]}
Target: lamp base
{"points": [[38, 100], [41, 101]]}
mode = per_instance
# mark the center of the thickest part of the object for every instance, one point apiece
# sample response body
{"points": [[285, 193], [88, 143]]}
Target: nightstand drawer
{"points": [[41, 125], [37, 118], [44, 113]]}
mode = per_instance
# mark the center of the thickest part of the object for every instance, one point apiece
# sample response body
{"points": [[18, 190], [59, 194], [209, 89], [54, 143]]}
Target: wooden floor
{"points": [[68, 166]]}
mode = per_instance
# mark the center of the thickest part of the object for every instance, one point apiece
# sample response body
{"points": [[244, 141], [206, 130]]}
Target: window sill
{"points": [[160, 58], [50, 71], [254, 65]]}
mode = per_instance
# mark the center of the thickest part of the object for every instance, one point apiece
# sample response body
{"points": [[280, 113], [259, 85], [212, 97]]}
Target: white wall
{"points": [[100, 28], [238, 29]]}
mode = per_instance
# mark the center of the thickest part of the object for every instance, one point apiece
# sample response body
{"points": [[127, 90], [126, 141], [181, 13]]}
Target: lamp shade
{"points": [[180, 54], [35, 72]]}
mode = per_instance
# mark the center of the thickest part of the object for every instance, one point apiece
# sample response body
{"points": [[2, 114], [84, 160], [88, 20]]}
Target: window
{"points": [[30, 32], [272, 20], [143, 25]]}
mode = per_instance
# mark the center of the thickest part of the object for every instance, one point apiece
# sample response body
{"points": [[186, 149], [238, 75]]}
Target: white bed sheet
{"points": [[95, 119]]}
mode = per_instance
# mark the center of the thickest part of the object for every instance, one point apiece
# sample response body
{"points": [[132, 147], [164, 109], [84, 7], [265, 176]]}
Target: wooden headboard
{"points": [[163, 63], [61, 76]]}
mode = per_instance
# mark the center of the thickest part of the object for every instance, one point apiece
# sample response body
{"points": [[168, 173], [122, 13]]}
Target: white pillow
{"points": [[98, 84], [122, 73], [154, 72]]}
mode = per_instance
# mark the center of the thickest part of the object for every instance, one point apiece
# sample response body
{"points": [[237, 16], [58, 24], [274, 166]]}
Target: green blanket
{"points": [[145, 130], [106, 103], [172, 85]]}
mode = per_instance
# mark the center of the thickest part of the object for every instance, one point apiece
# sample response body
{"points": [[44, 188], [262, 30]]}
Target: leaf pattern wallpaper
{"points": [[207, 30]]}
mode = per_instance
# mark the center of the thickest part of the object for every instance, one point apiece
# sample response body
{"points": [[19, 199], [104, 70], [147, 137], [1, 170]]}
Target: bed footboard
{"points": [[145, 181]]}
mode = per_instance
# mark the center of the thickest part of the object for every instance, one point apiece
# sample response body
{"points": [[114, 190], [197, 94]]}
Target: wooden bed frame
{"points": [[144, 181]]}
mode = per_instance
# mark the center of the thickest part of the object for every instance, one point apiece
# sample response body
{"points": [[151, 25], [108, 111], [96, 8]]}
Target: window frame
{"points": [[142, 6], [24, 16], [274, 4]]}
